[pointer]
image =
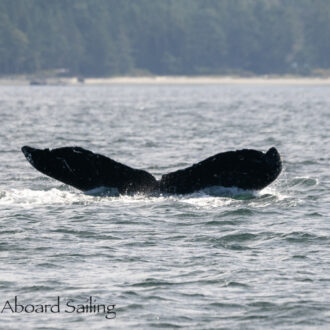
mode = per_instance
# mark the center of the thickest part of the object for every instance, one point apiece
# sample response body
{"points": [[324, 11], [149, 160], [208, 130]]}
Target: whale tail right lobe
{"points": [[247, 169]]}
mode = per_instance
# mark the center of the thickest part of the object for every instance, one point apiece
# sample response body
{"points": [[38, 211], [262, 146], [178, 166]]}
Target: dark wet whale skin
{"points": [[246, 169]]}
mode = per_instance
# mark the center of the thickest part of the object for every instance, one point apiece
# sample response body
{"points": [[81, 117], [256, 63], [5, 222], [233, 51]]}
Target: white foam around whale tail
{"points": [[103, 191], [227, 191]]}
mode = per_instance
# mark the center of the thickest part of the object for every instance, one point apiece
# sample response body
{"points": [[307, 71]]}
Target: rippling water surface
{"points": [[213, 259]]}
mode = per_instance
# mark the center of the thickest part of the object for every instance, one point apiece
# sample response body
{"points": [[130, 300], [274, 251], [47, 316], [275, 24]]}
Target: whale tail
{"points": [[246, 169], [86, 170]]}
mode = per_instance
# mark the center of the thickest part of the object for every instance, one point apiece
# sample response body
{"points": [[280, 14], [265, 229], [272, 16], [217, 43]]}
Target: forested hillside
{"points": [[116, 37]]}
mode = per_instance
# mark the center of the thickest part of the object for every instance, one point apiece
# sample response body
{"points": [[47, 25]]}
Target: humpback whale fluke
{"points": [[85, 170]]}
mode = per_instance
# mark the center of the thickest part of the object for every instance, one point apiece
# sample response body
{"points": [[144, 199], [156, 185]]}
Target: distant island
{"points": [[82, 38]]}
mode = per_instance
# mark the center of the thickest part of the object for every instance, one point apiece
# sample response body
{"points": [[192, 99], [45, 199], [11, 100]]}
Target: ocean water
{"points": [[215, 259]]}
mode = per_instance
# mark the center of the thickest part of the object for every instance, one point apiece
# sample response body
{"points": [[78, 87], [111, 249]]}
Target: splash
{"points": [[215, 196], [29, 197]]}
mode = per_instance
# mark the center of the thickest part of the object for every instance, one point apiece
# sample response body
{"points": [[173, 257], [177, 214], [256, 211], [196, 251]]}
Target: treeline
{"points": [[181, 37]]}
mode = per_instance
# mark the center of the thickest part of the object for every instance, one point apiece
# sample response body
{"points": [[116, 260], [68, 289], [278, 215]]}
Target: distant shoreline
{"points": [[172, 80], [205, 80]]}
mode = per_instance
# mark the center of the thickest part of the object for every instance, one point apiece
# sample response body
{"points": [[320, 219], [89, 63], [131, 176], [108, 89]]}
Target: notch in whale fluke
{"points": [[246, 169]]}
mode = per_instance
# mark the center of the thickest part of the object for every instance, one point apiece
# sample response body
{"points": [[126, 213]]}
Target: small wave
{"points": [[234, 192], [273, 191], [303, 181], [239, 237], [217, 196], [270, 195], [153, 282], [235, 284], [304, 237], [238, 212]]}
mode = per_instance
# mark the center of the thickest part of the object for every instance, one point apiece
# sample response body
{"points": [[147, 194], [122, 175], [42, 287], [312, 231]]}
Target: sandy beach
{"points": [[173, 80], [221, 80]]}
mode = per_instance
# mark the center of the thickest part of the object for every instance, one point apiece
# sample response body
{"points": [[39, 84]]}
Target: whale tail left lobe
{"points": [[86, 170]]}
